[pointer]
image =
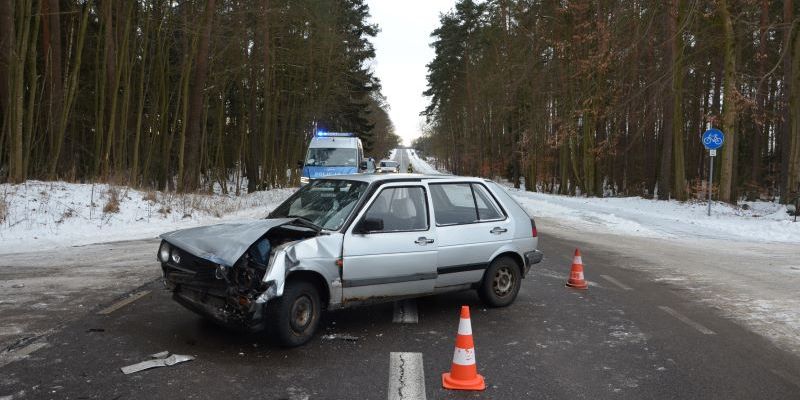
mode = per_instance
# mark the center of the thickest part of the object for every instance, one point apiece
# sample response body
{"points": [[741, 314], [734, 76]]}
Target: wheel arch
{"points": [[514, 256], [316, 279]]}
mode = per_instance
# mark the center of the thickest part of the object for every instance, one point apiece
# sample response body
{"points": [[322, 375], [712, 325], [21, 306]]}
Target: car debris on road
{"points": [[161, 359]]}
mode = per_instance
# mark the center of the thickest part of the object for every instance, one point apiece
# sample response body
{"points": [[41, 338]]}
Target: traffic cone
{"points": [[576, 280], [463, 373]]}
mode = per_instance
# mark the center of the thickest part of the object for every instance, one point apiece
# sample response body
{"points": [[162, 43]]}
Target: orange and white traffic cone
{"points": [[463, 373], [576, 279]]}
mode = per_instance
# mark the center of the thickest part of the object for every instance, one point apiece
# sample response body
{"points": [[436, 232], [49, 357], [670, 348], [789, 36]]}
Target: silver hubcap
{"points": [[302, 311], [503, 282]]}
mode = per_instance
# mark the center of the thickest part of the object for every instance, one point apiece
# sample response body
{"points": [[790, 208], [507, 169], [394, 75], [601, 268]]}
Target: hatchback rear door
{"points": [[472, 227]]}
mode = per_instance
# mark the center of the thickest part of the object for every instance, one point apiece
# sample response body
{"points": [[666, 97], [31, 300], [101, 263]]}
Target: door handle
{"points": [[498, 230], [422, 241]]}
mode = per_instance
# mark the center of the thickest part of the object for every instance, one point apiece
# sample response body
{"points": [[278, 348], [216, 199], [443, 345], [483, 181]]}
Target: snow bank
{"points": [[59, 214], [761, 222], [419, 165]]}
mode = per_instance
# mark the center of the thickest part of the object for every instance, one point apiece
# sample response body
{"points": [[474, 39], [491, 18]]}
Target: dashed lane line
{"points": [[616, 282], [686, 320], [405, 312], [124, 302], [406, 376], [8, 357]]}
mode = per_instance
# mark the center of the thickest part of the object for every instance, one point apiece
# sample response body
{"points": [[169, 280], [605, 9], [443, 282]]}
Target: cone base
{"points": [[477, 383], [582, 285]]}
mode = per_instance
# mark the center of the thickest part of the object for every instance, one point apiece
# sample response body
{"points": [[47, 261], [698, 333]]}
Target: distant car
{"points": [[387, 166], [349, 240]]}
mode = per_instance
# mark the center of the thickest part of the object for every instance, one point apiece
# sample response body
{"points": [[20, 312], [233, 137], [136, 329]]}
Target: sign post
{"points": [[712, 140]]}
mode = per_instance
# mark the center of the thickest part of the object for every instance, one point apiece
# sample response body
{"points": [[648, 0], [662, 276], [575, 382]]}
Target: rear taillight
{"points": [[534, 233]]}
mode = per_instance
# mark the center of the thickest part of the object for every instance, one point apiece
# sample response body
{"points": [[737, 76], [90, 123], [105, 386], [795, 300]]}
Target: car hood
{"points": [[224, 243]]}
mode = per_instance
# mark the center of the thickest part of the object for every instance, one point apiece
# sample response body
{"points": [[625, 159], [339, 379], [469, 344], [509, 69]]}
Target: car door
{"points": [[390, 250], [472, 227]]}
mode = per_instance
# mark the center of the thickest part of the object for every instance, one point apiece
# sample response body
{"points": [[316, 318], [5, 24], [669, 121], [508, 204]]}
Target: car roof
{"points": [[333, 142], [369, 178]]}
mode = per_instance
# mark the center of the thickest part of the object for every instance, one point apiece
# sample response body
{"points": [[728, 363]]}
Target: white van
{"points": [[332, 153]]}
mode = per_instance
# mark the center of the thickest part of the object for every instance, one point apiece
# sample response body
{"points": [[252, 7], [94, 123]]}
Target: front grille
{"points": [[190, 268]]}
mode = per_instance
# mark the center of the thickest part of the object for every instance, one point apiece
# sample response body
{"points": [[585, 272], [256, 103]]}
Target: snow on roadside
{"points": [[635, 216], [419, 165], [59, 214]]}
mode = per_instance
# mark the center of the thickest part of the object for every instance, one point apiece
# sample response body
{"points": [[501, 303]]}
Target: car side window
{"points": [[487, 209], [454, 203], [463, 203], [401, 209]]}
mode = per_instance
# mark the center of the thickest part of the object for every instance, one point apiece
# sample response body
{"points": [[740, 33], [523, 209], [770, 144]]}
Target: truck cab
{"points": [[332, 153]]}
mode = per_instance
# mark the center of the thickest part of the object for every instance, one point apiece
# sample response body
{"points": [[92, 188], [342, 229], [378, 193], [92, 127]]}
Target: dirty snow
{"points": [[59, 214], [742, 263]]}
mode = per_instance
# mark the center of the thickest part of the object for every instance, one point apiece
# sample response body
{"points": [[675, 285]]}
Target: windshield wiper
{"points": [[307, 222]]}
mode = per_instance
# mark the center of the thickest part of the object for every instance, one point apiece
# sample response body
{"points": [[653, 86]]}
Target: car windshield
{"points": [[332, 157], [326, 203], [391, 164]]}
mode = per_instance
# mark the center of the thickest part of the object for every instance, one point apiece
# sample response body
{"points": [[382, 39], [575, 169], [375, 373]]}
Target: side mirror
{"points": [[300, 164], [368, 225], [363, 165]]}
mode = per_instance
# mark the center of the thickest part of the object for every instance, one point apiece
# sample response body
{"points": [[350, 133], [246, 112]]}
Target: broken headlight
{"points": [[163, 252], [176, 256]]}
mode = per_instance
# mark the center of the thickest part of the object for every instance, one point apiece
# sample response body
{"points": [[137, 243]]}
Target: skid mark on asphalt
{"points": [[124, 302], [406, 376], [11, 356], [616, 282], [405, 312], [686, 320]]}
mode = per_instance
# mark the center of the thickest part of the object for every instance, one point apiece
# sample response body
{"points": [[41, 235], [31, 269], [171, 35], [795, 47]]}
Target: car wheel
{"points": [[294, 317], [501, 283]]}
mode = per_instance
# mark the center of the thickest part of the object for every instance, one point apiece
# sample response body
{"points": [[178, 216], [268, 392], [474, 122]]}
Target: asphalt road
{"points": [[626, 337]]}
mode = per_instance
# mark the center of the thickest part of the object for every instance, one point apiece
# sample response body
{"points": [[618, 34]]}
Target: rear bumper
{"points": [[532, 257]]}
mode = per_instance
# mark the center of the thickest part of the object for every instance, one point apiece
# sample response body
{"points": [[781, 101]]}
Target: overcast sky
{"points": [[402, 51]]}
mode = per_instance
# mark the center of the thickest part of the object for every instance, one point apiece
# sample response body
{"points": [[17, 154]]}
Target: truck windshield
{"points": [[326, 203], [332, 157]]}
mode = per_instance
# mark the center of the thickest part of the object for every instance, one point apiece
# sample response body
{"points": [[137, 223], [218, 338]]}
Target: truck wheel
{"points": [[294, 317], [501, 283]]}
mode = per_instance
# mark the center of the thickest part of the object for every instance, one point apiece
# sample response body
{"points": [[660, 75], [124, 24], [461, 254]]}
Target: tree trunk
{"points": [[7, 49], [670, 101], [729, 112], [788, 73], [678, 160], [191, 173]]}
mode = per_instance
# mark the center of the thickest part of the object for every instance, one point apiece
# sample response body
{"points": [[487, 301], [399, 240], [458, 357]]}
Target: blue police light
{"points": [[334, 134]]}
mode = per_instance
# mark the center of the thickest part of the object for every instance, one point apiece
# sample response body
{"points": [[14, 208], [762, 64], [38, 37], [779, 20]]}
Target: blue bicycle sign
{"points": [[713, 139]]}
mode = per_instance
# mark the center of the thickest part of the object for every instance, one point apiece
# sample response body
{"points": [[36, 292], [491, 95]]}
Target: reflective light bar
{"points": [[335, 134]]}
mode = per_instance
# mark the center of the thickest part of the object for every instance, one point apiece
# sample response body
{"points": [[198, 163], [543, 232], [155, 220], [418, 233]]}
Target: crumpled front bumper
{"points": [[532, 257]]}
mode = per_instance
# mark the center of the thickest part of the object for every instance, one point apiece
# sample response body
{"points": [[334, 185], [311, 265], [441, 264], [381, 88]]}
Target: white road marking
{"points": [[124, 302], [686, 320], [788, 378], [406, 376], [405, 312], [616, 282], [11, 356]]}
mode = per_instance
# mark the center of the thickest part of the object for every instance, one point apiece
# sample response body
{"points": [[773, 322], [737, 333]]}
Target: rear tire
{"points": [[501, 283], [294, 317]]}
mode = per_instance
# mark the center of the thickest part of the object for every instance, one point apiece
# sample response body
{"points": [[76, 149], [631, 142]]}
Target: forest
{"points": [[182, 95], [610, 97]]}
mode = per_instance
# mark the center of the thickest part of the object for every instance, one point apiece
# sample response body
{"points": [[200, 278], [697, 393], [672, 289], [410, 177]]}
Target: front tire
{"points": [[501, 283], [294, 317]]}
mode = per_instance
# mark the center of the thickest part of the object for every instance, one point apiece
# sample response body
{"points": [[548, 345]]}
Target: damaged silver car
{"points": [[351, 240]]}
